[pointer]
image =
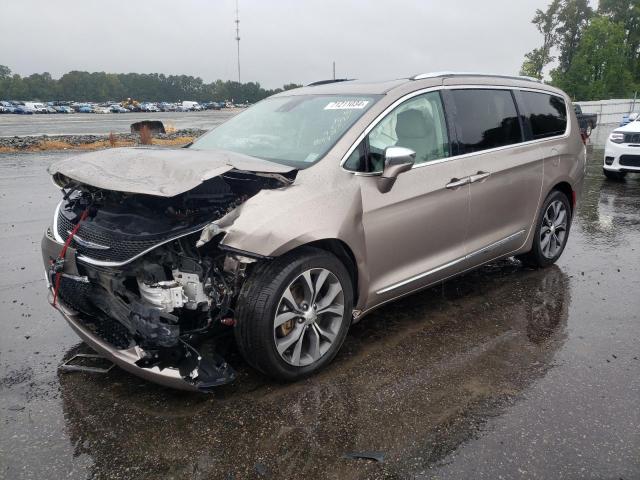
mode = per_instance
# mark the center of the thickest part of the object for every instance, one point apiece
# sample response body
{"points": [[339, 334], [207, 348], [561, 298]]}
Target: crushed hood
{"points": [[155, 171]]}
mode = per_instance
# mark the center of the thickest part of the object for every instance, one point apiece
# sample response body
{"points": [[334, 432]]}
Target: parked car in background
{"points": [[101, 109], [7, 107], [211, 106], [587, 121], [24, 110], [85, 109], [148, 107], [629, 117], [167, 107], [289, 231], [63, 109], [622, 151], [191, 106], [37, 107], [118, 109]]}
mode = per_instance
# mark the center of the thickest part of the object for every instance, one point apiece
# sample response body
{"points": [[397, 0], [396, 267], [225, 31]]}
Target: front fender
{"points": [[275, 222]]}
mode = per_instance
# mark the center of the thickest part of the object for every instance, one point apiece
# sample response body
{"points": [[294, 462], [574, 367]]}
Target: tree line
{"points": [[101, 87], [595, 53]]}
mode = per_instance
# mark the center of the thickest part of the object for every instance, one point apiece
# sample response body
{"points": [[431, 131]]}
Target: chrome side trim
{"points": [[469, 256], [495, 245], [410, 95], [419, 276]]}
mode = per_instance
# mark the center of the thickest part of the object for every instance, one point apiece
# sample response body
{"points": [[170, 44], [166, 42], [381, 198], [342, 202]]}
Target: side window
{"points": [[418, 124], [485, 119], [547, 114]]}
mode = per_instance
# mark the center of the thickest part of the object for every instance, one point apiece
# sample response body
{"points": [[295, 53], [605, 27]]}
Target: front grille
{"points": [[109, 330], [632, 138], [77, 296], [630, 160], [120, 247]]}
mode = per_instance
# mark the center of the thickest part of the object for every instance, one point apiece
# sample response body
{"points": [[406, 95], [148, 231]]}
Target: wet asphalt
{"points": [[103, 124], [506, 373]]}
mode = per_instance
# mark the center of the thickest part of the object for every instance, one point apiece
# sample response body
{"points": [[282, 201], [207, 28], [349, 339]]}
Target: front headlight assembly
{"points": [[617, 137]]}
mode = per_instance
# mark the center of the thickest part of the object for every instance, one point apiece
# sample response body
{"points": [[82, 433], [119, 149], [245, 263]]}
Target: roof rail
{"points": [[422, 76], [324, 82]]}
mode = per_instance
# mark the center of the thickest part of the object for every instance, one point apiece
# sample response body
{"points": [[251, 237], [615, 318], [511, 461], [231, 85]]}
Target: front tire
{"points": [[616, 176], [551, 232], [293, 313]]}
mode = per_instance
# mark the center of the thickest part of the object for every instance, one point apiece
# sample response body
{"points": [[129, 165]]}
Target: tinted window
{"points": [[547, 114], [418, 124], [485, 119]]}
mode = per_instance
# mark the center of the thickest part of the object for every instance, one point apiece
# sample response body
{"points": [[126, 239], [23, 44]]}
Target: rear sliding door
{"points": [[505, 174]]}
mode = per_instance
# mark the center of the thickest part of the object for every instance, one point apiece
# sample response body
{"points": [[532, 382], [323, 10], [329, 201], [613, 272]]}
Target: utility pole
{"points": [[334, 69], [238, 38]]}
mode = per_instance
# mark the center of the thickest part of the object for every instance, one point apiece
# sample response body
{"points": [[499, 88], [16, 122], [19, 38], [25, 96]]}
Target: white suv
{"points": [[622, 151]]}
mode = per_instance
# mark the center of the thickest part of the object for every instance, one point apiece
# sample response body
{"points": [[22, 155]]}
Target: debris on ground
{"points": [[377, 456]]}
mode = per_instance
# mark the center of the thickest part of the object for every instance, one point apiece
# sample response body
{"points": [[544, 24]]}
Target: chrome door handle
{"points": [[457, 182], [479, 177]]}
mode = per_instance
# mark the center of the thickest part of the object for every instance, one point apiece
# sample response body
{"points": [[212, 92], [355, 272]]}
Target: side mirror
{"points": [[396, 161]]}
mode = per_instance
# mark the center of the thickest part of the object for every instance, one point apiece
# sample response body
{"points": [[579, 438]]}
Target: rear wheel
{"points": [[293, 313], [551, 232], [611, 175]]}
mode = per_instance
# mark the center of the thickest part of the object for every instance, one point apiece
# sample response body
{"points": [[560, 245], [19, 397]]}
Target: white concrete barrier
{"points": [[610, 113]]}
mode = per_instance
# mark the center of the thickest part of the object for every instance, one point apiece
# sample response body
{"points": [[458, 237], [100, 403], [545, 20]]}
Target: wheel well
{"points": [[344, 254], [565, 188]]}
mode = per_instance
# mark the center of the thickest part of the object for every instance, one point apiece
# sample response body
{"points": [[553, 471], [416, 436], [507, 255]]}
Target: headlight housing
{"points": [[617, 137]]}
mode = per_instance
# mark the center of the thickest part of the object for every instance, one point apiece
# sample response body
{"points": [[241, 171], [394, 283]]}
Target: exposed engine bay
{"points": [[148, 272]]}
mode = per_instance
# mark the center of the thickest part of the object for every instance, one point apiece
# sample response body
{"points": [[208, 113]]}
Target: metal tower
{"points": [[238, 38]]}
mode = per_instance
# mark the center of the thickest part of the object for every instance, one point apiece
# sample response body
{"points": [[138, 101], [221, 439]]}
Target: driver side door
{"points": [[416, 233]]}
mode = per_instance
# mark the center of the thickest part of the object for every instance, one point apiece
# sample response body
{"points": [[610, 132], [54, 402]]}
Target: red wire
{"points": [[63, 252]]}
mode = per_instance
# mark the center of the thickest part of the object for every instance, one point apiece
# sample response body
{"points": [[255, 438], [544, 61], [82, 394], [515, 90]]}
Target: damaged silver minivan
{"points": [[298, 216]]}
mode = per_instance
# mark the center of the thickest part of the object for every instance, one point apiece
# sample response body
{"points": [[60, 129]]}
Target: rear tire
{"points": [[616, 176], [551, 231], [305, 295]]}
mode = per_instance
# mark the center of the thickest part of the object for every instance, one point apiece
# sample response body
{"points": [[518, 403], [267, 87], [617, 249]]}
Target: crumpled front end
{"points": [[132, 276]]}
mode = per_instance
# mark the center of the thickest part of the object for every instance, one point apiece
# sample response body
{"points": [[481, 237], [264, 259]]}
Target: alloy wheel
{"points": [[309, 316], [553, 231]]}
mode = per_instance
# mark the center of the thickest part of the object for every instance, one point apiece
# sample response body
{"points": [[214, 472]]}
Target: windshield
{"points": [[295, 130]]}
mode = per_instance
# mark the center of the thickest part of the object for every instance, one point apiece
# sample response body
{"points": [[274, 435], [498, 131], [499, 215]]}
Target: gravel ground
{"points": [[32, 142], [96, 124], [506, 373]]}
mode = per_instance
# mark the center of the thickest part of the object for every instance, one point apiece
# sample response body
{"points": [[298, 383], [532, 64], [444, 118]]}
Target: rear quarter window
{"points": [[546, 113], [485, 119]]}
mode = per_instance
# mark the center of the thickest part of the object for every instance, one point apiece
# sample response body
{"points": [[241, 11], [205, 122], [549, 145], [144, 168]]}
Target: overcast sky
{"points": [[282, 41]]}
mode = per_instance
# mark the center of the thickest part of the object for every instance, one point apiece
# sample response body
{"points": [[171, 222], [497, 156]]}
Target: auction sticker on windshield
{"points": [[347, 105]]}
